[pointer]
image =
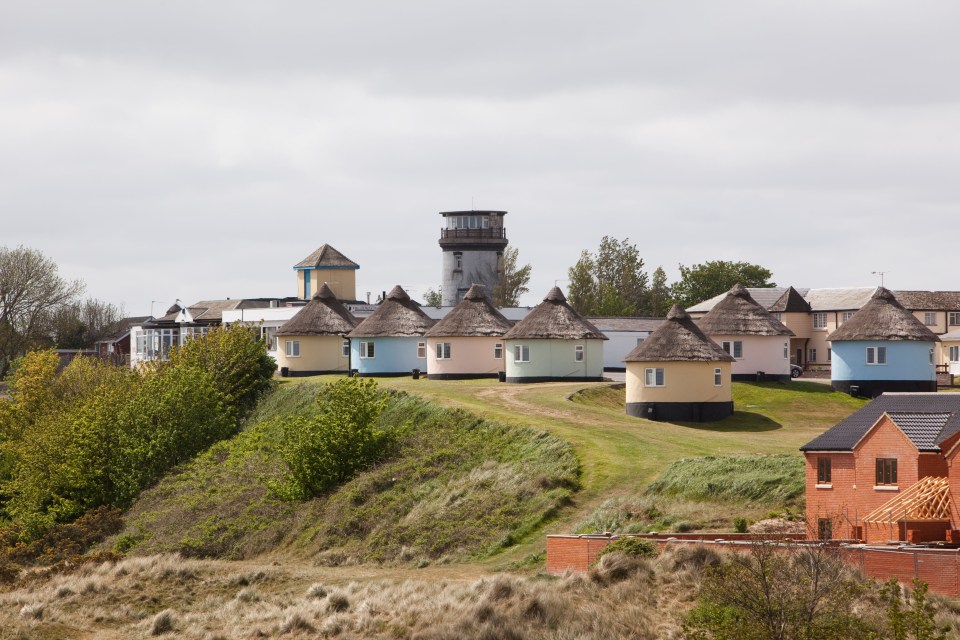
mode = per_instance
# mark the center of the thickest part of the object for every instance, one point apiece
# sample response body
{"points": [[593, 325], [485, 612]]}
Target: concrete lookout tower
{"points": [[473, 244]]}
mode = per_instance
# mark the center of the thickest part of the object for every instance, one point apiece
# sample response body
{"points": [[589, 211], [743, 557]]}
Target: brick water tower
{"points": [[473, 244]]}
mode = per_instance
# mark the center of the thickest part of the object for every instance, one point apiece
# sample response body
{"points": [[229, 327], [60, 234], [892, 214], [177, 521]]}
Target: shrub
{"points": [[340, 440], [633, 547], [740, 525]]}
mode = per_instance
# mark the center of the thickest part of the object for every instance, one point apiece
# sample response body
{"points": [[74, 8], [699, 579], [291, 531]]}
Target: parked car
{"points": [[796, 371]]}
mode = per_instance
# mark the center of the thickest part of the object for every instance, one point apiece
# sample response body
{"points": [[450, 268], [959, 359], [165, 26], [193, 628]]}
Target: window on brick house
{"points": [[886, 471], [823, 471], [824, 528]]}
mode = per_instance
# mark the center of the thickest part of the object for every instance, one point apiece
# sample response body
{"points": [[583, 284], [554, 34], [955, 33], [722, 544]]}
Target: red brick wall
{"points": [[938, 568], [932, 464]]}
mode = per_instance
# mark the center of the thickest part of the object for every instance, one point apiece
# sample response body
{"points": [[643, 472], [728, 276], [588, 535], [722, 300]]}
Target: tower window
{"points": [[458, 261]]}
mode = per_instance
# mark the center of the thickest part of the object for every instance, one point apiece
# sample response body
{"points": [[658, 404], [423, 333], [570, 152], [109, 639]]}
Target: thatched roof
{"points": [[883, 318], [474, 316], [738, 314], [554, 319], [397, 315], [790, 302], [929, 300], [327, 256], [678, 339], [324, 315]]}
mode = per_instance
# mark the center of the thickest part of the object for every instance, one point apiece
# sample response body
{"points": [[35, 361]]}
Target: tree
{"points": [[433, 298], [80, 325], [659, 296], [513, 281], [703, 281], [610, 283], [30, 291]]}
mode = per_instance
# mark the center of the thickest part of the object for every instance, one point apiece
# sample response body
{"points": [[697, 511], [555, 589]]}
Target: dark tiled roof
{"points": [[790, 302], [929, 300], [846, 433], [327, 256], [922, 428]]}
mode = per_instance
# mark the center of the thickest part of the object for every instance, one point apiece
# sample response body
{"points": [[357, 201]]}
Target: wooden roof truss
{"points": [[926, 501]]}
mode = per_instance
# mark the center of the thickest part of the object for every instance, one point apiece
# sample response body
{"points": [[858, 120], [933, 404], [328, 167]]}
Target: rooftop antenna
{"points": [[153, 302], [881, 274]]}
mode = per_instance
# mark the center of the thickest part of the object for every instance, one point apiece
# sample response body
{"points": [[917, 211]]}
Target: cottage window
{"points": [[268, 335], [498, 351], [345, 348], [521, 353], [820, 320], [421, 349], [930, 318], [886, 471], [845, 316], [777, 316], [366, 350], [931, 356], [823, 470], [142, 341], [824, 528], [653, 377], [717, 378], [954, 354], [876, 355], [812, 357], [829, 355], [443, 351], [786, 350], [953, 318], [734, 348], [578, 353], [292, 348]]}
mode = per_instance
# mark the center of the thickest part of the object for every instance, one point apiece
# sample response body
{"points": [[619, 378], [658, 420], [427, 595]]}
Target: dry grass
{"points": [[169, 596]]}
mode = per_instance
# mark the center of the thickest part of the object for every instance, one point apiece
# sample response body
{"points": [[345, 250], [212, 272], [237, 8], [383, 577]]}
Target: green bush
{"points": [[740, 525], [633, 547], [330, 447]]}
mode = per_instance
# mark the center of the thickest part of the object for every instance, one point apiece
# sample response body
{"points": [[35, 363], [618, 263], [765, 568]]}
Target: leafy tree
{"points": [[236, 358], [80, 325], [340, 440], [30, 291], [659, 297], [703, 281], [433, 298], [909, 615], [610, 283], [513, 280]]}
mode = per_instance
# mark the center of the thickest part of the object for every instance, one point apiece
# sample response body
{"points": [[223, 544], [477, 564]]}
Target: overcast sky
{"points": [[197, 150]]}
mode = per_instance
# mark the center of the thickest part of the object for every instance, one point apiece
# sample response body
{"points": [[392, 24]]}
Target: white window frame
{"points": [[367, 350], [819, 320], [930, 318], [811, 355], [291, 348], [931, 355], [578, 353], [521, 353], [875, 355], [717, 378], [953, 353], [953, 319], [345, 348], [498, 351], [777, 316], [443, 351], [846, 315], [829, 354], [786, 350], [421, 350], [654, 377]]}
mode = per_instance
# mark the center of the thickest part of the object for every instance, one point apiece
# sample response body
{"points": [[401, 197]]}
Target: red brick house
{"points": [[888, 472]]}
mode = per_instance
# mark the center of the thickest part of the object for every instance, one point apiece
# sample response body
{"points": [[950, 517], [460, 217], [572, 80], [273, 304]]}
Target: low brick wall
{"points": [[939, 568]]}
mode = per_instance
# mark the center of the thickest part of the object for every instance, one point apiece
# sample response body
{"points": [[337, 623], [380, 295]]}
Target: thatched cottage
{"points": [[679, 374], [468, 341], [391, 340], [883, 347], [554, 343], [314, 341], [758, 342]]}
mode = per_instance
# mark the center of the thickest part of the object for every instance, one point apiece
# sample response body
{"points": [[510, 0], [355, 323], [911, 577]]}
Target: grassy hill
{"points": [[455, 487]]}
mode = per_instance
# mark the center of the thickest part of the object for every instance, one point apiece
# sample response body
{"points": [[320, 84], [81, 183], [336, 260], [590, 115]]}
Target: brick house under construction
{"points": [[889, 472]]}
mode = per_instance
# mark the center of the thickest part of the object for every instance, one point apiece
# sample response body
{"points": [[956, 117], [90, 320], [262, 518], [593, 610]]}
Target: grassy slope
{"points": [[456, 487]]}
